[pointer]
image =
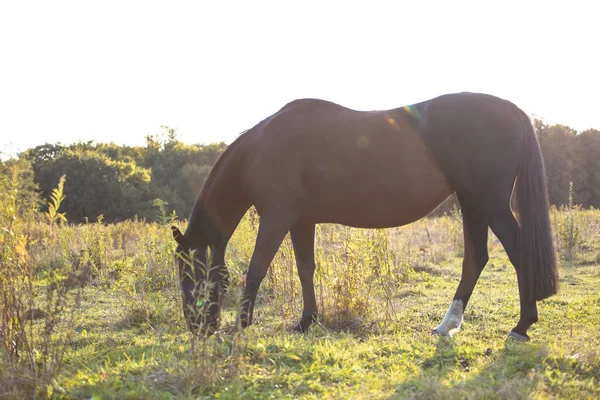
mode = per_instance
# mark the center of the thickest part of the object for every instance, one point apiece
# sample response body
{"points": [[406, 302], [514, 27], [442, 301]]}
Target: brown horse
{"points": [[315, 162]]}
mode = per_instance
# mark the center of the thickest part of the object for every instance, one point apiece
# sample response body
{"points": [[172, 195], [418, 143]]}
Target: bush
{"points": [[31, 351]]}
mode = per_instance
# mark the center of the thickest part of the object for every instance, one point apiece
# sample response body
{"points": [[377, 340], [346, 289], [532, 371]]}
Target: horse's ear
{"points": [[179, 238]]}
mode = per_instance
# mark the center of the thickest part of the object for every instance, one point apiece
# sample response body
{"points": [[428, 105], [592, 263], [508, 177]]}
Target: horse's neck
{"points": [[216, 214], [221, 203], [200, 227]]}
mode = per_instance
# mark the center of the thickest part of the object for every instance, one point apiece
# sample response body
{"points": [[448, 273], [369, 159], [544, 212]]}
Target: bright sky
{"points": [[118, 70]]}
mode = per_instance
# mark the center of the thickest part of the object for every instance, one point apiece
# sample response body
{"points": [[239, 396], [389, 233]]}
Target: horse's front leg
{"points": [[273, 228], [303, 240]]}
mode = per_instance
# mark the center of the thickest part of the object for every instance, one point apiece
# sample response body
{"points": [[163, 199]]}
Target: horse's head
{"points": [[202, 282]]}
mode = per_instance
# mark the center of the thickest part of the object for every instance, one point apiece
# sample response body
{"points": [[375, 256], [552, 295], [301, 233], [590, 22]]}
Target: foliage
{"points": [[571, 157], [121, 182], [94, 310], [161, 212], [36, 315], [21, 173], [56, 198], [379, 291], [569, 230], [96, 184]]}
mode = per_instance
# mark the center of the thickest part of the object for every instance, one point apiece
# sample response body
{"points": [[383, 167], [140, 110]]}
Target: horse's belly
{"points": [[384, 208]]}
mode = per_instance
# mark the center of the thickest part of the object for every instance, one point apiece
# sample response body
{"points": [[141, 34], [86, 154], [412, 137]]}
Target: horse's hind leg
{"points": [[273, 228], [506, 228], [475, 231], [303, 240]]}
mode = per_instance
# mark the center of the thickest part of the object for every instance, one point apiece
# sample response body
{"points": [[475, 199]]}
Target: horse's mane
{"points": [[215, 172]]}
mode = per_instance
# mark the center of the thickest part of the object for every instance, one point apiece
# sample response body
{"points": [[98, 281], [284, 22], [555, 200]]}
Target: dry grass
{"points": [[380, 292]]}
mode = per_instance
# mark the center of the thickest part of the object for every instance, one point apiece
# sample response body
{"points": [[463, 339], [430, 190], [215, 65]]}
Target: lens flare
{"points": [[392, 122], [413, 111], [362, 141]]}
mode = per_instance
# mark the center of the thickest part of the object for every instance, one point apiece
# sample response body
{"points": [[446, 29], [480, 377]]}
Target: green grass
{"points": [[380, 293]]}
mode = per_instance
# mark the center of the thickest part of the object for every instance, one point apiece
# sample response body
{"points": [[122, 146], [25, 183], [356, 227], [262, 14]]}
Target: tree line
{"points": [[571, 157], [112, 183]]}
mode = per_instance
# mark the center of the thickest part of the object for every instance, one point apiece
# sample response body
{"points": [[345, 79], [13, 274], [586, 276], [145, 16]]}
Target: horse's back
{"points": [[383, 168], [340, 165]]}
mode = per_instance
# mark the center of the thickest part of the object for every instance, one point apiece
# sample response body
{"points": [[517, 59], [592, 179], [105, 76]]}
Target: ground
{"points": [[381, 293]]}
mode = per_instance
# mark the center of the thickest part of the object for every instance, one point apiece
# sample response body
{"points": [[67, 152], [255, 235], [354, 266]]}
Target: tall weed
{"points": [[36, 315], [569, 229]]}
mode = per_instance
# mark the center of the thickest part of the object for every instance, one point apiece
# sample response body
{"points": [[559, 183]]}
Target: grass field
{"points": [[118, 330]]}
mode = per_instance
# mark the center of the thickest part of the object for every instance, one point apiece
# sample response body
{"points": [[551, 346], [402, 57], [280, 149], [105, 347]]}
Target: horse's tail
{"points": [[537, 255]]}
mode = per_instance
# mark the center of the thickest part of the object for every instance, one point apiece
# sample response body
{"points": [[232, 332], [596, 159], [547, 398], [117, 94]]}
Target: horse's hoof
{"points": [[302, 327], [518, 337], [305, 323], [245, 322], [441, 333]]}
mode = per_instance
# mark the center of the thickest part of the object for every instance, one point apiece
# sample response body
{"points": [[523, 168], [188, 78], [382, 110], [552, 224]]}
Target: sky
{"points": [[116, 71]]}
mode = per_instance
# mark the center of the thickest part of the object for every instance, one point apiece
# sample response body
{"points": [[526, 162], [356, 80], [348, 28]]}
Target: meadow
{"points": [[94, 311]]}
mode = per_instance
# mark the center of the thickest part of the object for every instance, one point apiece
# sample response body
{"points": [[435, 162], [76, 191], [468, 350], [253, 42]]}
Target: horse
{"points": [[314, 161]]}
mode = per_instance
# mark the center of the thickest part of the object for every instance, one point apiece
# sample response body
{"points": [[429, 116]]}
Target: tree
{"points": [[587, 184], [28, 199], [558, 145], [96, 184], [121, 182]]}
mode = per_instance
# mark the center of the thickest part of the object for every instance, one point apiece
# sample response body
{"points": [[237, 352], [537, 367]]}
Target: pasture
{"points": [[104, 320]]}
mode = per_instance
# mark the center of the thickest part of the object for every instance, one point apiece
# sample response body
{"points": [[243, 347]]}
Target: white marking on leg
{"points": [[452, 320]]}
